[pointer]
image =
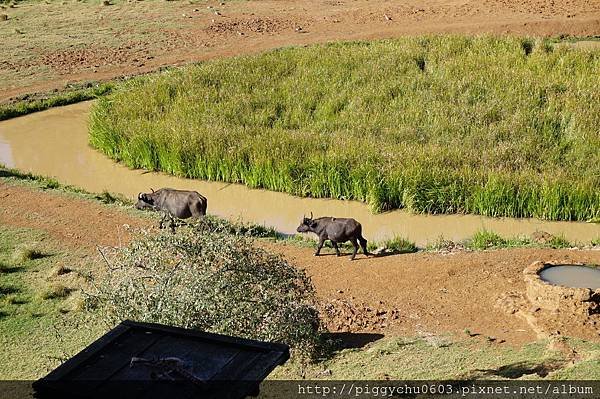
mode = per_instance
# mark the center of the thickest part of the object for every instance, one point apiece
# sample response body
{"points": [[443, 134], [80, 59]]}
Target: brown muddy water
{"points": [[572, 276], [54, 143]]}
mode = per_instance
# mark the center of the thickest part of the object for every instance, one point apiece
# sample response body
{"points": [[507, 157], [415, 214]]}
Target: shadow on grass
{"points": [[392, 253], [5, 172], [46, 182], [19, 301], [29, 254], [518, 370], [6, 269], [332, 343], [347, 340], [7, 290]]}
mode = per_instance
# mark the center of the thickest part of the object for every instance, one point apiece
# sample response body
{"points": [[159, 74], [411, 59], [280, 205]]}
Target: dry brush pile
{"points": [[211, 280]]}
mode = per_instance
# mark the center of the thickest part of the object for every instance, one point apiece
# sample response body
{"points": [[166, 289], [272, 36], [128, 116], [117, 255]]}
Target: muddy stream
{"points": [[54, 143]]}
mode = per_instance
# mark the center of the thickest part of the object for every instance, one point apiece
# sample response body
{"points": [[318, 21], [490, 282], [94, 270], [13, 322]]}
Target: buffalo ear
{"points": [[139, 196]]}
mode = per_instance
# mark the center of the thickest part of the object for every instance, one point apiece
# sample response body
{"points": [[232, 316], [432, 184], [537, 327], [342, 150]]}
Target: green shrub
{"points": [[519, 242], [497, 126], [484, 239], [51, 184], [399, 245], [209, 279], [559, 242]]}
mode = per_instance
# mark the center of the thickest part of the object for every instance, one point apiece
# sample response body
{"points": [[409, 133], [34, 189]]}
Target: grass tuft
{"points": [[112, 198], [55, 291], [484, 239], [60, 270], [26, 253], [399, 245], [16, 300], [559, 242], [5, 267]]}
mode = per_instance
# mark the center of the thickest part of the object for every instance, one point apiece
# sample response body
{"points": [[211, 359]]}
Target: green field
{"points": [[39, 305], [485, 125]]}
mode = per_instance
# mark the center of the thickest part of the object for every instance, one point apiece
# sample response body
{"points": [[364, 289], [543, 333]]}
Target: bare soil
{"points": [[87, 41], [481, 294]]}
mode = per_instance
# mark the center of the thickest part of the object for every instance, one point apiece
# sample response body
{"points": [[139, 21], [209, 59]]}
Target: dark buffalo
{"points": [[174, 204], [336, 230]]}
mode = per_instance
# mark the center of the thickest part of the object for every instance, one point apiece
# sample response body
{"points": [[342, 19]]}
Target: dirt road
{"points": [[83, 42], [423, 293]]}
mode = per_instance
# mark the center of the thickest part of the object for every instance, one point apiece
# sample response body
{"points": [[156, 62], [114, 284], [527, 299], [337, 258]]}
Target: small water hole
{"points": [[575, 276]]}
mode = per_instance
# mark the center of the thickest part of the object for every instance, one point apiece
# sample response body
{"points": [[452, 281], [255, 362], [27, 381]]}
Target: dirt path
{"points": [[422, 293], [74, 222], [435, 293], [93, 42]]}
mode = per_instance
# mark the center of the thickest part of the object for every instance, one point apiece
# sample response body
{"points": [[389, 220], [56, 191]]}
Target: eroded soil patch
{"points": [[84, 41]]}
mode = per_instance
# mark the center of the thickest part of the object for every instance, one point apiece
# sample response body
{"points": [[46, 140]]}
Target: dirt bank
{"points": [[93, 42], [422, 293]]}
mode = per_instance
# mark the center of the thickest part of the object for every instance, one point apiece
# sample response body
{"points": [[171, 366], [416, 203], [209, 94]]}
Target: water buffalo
{"points": [[336, 230], [180, 204]]}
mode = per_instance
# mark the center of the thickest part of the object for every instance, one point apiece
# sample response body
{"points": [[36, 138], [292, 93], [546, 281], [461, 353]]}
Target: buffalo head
{"points": [[307, 224], [145, 201]]}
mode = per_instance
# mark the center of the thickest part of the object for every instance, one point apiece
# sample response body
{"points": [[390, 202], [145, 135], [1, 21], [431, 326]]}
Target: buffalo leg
{"points": [[363, 244], [162, 221], [321, 242], [172, 224], [355, 250], [337, 249]]}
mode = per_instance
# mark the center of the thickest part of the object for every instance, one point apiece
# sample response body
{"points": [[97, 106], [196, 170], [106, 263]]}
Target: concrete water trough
{"points": [[563, 288]]}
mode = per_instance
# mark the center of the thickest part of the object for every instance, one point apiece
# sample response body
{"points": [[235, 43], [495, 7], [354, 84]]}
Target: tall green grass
{"points": [[446, 124], [71, 95]]}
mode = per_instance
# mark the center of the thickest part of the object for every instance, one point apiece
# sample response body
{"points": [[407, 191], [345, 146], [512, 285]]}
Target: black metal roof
{"points": [[144, 360]]}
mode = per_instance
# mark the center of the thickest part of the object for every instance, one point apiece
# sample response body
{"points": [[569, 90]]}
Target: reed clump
{"points": [[442, 124]]}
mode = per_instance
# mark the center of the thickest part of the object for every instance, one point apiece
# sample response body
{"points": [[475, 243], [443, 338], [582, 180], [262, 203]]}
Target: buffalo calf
{"points": [[336, 230]]}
